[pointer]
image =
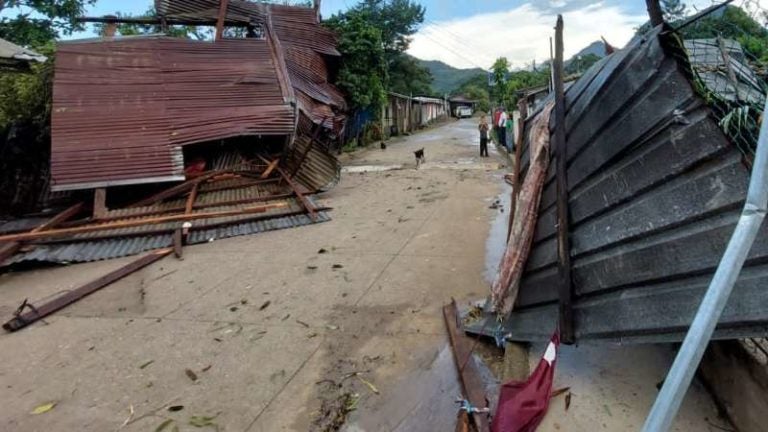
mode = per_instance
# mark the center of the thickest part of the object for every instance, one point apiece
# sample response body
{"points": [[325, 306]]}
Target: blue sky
{"points": [[473, 33]]}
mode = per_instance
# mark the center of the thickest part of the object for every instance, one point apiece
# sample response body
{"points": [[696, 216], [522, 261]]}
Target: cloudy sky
{"points": [[474, 33]]}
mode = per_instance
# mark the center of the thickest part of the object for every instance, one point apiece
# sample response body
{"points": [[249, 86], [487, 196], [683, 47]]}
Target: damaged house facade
{"points": [[212, 138]]}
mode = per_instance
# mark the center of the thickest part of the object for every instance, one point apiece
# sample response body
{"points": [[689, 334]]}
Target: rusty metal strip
{"points": [[139, 222], [471, 381], [36, 313]]}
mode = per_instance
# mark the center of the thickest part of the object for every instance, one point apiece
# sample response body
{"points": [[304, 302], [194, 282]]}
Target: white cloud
{"points": [[520, 34]]}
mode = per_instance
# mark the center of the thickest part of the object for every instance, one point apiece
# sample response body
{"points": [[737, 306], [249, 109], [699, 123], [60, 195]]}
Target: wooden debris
{"points": [[24, 319], [471, 381]]}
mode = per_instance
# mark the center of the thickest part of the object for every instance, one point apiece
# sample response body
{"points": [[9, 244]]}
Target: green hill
{"points": [[447, 78]]}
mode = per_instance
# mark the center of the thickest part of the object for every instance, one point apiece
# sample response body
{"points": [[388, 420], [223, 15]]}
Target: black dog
{"points": [[420, 159]]}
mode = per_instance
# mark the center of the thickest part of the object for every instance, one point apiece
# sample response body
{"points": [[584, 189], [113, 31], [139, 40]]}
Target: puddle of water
{"points": [[423, 400], [496, 243]]}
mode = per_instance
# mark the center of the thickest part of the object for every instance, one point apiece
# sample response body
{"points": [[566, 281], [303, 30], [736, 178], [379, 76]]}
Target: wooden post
{"points": [[223, 6], [561, 156], [729, 68], [655, 12], [100, 203]]}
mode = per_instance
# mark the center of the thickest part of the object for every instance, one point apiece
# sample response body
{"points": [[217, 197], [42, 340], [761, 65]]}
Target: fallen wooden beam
{"points": [[135, 223], [305, 203], [471, 380], [24, 319], [270, 168]]}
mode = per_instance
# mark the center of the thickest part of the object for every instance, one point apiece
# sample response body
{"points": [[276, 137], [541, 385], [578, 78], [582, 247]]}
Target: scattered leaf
{"points": [[146, 364], [131, 412], [567, 401], [175, 408], [322, 251], [243, 302], [190, 374], [338, 266], [558, 392], [207, 368], [217, 339], [265, 305], [286, 317], [42, 409], [311, 335], [303, 323], [233, 309], [607, 410], [311, 267], [164, 425], [369, 384], [202, 421]]}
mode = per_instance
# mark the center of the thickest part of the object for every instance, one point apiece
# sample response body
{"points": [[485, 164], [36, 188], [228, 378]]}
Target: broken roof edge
{"points": [[122, 182], [11, 51]]}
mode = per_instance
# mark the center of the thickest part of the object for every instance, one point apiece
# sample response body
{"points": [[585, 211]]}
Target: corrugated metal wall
{"points": [[655, 190]]}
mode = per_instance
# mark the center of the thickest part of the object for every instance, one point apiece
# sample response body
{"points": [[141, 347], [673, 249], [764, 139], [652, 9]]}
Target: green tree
{"points": [[408, 77], [674, 10], [373, 38], [363, 73], [581, 64], [500, 71], [34, 23]]}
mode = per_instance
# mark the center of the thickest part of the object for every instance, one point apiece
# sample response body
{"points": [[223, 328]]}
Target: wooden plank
{"points": [[181, 209], [471, 380], [270, 168], [305, 203], [191, 199], [567, 331], [178, 243], [135, 223], [222, 17], [100, 203], [26, 318], [655, 12]]}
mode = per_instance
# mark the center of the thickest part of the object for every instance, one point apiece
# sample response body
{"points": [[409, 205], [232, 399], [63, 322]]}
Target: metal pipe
{"points": [[703, 326]]}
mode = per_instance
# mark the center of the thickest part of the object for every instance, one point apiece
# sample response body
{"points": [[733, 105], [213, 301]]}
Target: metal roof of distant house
{"points": [[14, 57], [125, 107]]}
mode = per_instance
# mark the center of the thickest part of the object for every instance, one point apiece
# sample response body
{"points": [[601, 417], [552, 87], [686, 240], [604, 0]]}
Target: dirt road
{"points": [[281, 330]]}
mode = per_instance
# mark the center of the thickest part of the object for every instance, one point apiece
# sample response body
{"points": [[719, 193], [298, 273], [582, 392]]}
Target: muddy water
{"points": [[496, 243]]}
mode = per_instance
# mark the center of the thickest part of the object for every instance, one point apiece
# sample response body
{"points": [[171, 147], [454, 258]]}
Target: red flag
{"points": [[522, 405]]}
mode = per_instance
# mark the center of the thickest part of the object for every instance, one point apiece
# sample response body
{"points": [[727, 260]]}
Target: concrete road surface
{"points": [[264, 333]]}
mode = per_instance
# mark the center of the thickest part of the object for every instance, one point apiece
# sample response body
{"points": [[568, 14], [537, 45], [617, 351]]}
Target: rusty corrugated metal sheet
{"points": [[124, 108]]}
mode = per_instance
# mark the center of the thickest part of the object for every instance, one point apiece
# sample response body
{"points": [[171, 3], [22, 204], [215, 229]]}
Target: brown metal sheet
{"points": [[124, 108]]}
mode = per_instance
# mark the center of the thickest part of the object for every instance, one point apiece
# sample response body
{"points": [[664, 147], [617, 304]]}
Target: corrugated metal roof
{"points": [[708, 61], [124, 108], [655, 189], [16, 57], [75, 252]]}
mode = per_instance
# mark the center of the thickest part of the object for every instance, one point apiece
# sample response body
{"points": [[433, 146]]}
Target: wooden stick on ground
{"points": [[26, 318]]}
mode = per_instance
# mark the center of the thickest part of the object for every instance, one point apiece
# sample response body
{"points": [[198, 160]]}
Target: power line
{"points": [[456, 53]]}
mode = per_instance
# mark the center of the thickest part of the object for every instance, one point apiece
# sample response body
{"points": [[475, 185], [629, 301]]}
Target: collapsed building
{"points": [[659, 141], [225, 137]]}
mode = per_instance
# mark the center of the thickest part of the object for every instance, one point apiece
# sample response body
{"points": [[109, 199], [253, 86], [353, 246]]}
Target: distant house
{"points": [[14, 58], [460, 106]]}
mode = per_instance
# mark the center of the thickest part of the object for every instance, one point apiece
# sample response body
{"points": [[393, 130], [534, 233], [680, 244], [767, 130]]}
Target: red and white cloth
{"points": [[522, 405]]}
